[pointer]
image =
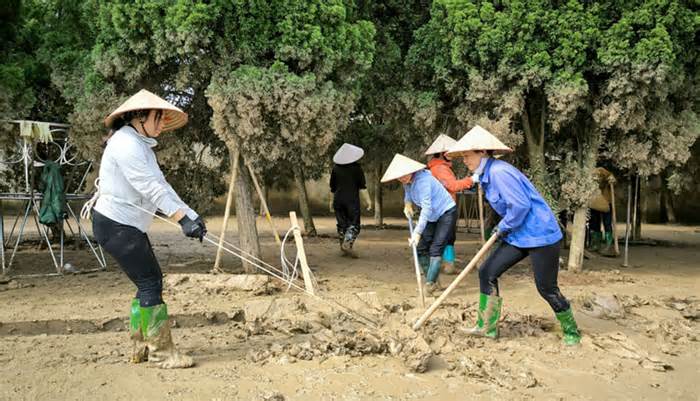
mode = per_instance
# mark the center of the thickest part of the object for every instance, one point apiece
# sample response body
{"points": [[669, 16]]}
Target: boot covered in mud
{"points": [[596, 239], [609, 248], [349, 241], [448, 260], [424, 263], [341, 239], [155, 325], [487, 317], [139, 351], [434, 265], [569, 327]]}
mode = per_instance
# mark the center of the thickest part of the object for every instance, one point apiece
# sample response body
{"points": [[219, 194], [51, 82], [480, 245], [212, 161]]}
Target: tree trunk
{"points": [[533, 119], [668, 205], [309, 227], [245, 216], [590, 138], [578, 240], [378, 201]]}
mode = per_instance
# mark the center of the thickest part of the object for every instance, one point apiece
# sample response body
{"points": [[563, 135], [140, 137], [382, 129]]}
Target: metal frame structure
{"points": [[468, 212], [31, 204]]}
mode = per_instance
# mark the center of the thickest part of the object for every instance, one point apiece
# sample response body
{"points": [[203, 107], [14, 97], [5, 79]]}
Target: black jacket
{"points": [[346, 182]]}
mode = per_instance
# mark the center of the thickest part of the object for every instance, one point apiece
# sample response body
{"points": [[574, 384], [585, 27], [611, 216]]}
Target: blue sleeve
{"points": [[517, 199], [426, 205], [406, 198]]}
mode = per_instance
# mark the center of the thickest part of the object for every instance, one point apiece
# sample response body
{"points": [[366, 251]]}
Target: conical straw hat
{"points": [[477, 139], [441, 144], [347, 154], [401, 165], [173, 117]]}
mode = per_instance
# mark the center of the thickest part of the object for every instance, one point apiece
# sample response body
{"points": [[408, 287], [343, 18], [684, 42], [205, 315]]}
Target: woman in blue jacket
{"points": [[527, 228], [437, 218]]}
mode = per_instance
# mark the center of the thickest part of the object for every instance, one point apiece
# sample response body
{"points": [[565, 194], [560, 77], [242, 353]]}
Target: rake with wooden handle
{"points": [[417, 265], [485, 248]]}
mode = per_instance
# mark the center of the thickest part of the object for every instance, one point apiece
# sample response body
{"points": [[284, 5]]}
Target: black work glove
{"points": [[498, 232], [193, 228]]}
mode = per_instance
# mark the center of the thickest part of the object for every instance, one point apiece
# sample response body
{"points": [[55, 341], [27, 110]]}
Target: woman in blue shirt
{"points": [[527, 228], [438, 213]]}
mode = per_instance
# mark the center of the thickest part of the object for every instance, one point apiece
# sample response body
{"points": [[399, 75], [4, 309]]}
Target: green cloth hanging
{"points": [[53, 205]]}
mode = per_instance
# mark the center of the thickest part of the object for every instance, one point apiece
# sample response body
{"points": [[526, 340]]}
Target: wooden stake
{"points": [[263, 203], [481, 213], [227, 211], [634, 209], [417, 266], [306, 272], [485, 248], [614, 220], [625, 262]]}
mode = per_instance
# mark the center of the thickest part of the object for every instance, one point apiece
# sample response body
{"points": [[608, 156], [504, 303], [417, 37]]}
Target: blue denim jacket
{"points": [[427, 193], [526, 217]]}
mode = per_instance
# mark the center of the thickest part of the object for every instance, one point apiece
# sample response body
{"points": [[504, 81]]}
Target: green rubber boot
{"points": [[155, 326], [596, 239], [139, 351], [487, 317], [569, 327], [424, 263], [609, 248]]}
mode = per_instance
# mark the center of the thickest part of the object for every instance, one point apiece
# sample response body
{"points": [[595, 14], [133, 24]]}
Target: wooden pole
{"points": [[485, 248], [306, 272], [625, 262], [481, 213], [634, 209], [227, 211], [417, 266], [263, 203], [614, 219]]}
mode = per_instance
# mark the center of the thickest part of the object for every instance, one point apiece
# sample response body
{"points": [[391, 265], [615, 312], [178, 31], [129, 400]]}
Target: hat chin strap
{"points": [[143, 127]]}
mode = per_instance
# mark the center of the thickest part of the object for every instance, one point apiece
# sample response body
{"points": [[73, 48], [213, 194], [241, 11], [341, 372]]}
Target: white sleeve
{"points": [[188, 210], [146, 179]]}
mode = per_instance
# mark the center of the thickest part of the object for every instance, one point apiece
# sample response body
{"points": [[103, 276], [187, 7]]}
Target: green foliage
{"points": [[288, 81], [538, 71], [295, 85]]}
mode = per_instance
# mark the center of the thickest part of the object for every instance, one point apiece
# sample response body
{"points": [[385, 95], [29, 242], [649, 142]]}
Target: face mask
{"points": [[479, 170], [151, 142]]}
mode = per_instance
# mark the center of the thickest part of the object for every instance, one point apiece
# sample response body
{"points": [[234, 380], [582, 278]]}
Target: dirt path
{"points": [[64, 339]]}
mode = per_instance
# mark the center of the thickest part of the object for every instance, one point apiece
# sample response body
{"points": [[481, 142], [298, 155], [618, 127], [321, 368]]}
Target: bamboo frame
{"points": [[263, 203], [227, 212]]}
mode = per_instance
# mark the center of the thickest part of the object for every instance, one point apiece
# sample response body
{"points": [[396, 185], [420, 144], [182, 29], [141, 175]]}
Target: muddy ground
{"points": [[64, 338]]}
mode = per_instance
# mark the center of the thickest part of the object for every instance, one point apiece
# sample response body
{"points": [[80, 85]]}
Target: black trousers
{"points": [[545, 266], [133, 252], [596, 218], [437, 235], [347, 215]]}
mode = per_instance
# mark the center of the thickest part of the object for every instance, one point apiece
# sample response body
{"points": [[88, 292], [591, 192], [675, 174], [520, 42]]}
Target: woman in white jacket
{"points": [[131, 189]]}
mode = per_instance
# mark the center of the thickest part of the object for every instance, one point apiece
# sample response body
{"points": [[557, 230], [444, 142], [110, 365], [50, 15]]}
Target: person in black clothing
{"points": [[347, 181]]}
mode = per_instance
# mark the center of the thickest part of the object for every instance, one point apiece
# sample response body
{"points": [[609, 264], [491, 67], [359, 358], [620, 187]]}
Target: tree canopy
{"points": [[569, 84]]}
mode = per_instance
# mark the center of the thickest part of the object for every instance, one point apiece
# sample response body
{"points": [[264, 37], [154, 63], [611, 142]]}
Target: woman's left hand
{"points": [[193, 228]]}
